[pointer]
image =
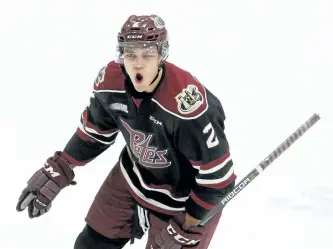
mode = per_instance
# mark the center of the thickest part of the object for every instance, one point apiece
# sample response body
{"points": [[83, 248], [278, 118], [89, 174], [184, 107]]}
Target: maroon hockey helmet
{"points": [[144, 32]]}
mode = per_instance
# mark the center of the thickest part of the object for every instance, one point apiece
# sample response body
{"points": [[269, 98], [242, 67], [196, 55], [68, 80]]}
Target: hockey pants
{"points": [[114, 218]]}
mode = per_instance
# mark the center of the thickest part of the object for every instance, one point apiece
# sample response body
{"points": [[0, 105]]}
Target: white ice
{"points": [[270, 63]]}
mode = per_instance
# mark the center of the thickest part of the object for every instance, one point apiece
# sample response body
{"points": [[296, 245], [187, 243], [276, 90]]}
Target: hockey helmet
{"points": [[143, 31]]}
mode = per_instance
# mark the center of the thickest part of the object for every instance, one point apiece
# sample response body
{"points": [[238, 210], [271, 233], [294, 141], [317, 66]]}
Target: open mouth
{"points": [[138, 78]]}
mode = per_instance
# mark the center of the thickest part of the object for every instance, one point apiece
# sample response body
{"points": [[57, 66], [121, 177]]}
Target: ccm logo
{"points": [[49, 169], [181, 239], [134, 36], [155, 121]]}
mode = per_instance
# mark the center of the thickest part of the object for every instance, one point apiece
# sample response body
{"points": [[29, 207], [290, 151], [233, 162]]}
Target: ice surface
{"points": [[270, 63]]}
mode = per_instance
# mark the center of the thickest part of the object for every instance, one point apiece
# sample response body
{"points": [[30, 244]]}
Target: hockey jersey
{"points": [[176, 156]]}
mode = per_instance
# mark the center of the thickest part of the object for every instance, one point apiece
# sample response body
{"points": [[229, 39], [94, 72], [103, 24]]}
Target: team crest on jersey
{"points": [[189, 99], [100, 77]]}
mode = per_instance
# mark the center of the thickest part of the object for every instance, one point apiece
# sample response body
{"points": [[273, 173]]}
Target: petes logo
{"points": [[147, 155], [189, 99]]}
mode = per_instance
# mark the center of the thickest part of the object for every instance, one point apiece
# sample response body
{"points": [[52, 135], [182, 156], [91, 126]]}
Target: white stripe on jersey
{"points": [[177, 115], [109, 91], [196, 167], [98, 140], [91, 130], [216, 168], [143, 197], [163, 191], [215, 181]]}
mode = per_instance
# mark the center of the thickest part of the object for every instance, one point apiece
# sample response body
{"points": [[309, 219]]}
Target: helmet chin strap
{"points": [[159, 69]]}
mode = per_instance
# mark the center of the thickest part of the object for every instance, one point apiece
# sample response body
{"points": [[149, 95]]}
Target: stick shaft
{"points": [[263, 165]]}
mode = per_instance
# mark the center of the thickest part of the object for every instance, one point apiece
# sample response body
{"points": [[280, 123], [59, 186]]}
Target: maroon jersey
{"points": [[176, 156]]}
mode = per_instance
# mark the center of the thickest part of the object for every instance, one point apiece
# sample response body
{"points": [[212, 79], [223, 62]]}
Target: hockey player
{"points": [[175, 166]]}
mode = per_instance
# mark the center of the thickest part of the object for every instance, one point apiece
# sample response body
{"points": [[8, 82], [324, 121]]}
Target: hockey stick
{"points": [[262, 166]]}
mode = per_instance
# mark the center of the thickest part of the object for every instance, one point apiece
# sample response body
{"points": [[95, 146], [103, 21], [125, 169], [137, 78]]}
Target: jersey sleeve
{"points": [[203, 142], [96, 132]]}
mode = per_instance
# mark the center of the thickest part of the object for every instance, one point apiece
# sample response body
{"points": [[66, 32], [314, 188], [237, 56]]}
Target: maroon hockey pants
{"points": [[111, 213]]}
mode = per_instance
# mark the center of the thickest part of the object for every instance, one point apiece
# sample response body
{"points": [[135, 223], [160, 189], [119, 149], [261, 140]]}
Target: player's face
{"points": [[141, 65]]}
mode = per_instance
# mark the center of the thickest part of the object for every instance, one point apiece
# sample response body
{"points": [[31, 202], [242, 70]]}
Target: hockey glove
{"points": [[45, 185], [174, 237]]}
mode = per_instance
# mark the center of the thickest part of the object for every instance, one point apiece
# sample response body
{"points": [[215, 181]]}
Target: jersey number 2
{"points": [[212, 139]]}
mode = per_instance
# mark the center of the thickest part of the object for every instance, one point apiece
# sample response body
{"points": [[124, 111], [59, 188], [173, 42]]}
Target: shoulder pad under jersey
{"points": [[110, 78], [181, 94]]}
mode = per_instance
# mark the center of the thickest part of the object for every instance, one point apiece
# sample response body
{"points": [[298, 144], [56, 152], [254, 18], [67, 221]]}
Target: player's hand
{"points": [[175, 237], [45, 185]]}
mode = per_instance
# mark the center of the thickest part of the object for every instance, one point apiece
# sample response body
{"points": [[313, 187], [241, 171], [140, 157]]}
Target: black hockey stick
{"points": [[262, 166]]}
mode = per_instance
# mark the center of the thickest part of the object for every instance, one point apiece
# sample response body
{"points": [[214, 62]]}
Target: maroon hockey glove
{"points": [[174, 237], [45, 185]]}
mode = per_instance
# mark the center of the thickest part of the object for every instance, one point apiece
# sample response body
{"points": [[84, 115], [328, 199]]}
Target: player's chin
{"points": [[141, 87]]}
